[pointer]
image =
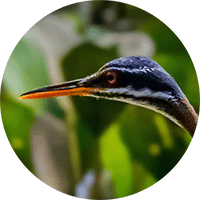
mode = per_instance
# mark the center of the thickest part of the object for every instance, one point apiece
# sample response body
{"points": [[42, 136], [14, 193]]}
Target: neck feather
{"points": [[187, 115], [181, 112]]}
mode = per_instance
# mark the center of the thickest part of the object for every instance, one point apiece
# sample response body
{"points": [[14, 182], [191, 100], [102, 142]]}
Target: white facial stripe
{"points": [[146, 92]]}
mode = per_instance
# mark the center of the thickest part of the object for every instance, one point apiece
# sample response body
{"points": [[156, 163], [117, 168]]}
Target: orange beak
{"points": [[78, 87]]}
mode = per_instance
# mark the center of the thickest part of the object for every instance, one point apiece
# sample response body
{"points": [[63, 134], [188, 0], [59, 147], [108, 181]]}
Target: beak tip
{"points": [[22, 96]]}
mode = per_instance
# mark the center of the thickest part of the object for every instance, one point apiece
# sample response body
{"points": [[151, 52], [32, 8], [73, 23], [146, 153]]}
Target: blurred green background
{"points": [[82, 146]]}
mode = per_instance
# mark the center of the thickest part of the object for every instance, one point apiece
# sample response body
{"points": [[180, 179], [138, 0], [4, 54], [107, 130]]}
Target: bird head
{"points": [[136, 80]]}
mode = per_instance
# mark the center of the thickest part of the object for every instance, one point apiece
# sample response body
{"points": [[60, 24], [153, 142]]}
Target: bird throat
{"points": [[180, 111]]}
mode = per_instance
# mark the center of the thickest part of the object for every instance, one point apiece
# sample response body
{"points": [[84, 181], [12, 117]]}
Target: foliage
{"points": [[18, 131], [136, 145]]}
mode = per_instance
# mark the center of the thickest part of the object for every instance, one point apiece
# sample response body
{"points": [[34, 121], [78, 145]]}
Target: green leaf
{"points": [[87, 145], [17, 121], [142, 179], [163, 36], [26, 71], [115, 157]]}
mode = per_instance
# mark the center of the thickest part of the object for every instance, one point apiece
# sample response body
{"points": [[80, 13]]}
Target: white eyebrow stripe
{"points": [[145, 69]]}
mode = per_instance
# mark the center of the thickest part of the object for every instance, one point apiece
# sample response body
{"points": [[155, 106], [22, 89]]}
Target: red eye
{"points": [[111, 77]]}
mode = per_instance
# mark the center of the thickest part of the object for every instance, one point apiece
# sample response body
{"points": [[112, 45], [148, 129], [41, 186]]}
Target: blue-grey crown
{"points": [[148, 71]]}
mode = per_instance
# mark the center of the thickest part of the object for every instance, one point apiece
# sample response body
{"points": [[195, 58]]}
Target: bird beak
{"points": [[79, 87]]}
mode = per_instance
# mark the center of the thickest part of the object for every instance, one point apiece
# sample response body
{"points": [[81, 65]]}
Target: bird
{"points": [[136, 80]]}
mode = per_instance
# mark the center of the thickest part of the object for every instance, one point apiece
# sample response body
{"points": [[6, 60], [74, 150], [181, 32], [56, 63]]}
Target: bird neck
{"points": [[186, 115], [180, 111]]}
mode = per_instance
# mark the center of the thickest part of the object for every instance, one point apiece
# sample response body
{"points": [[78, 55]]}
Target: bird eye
{"points": [[111, 77]]}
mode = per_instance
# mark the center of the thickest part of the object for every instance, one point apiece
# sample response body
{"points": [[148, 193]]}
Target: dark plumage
{"points": [[146, 73]]}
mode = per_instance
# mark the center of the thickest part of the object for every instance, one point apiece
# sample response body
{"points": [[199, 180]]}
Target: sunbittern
{"points": [[135, 80]]}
